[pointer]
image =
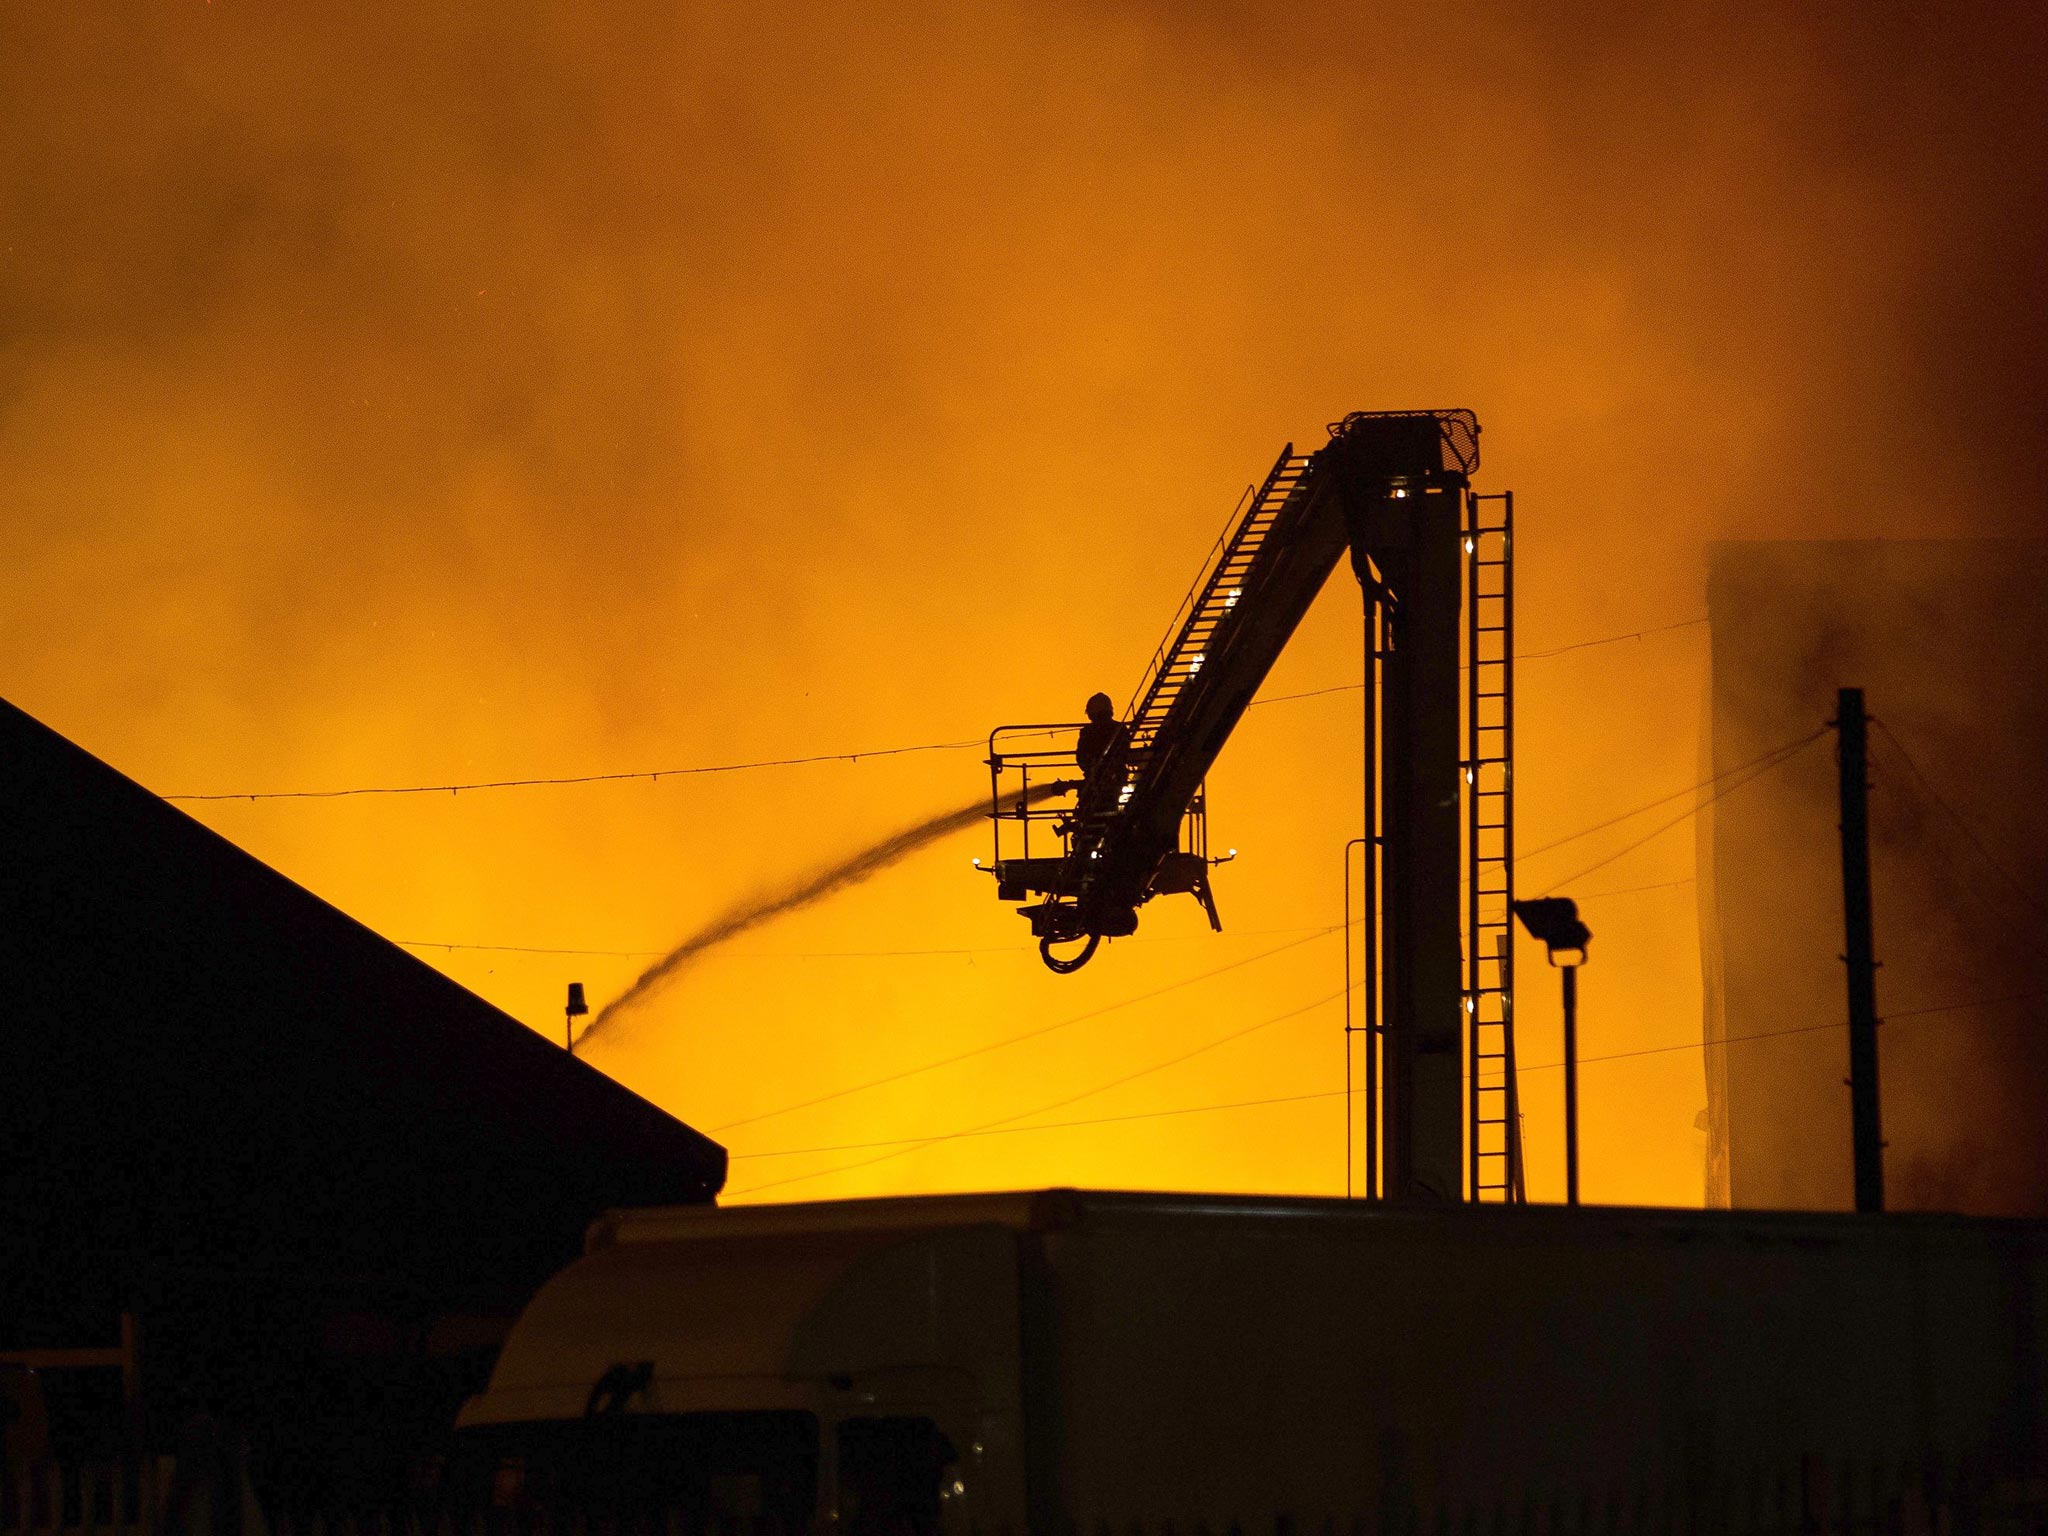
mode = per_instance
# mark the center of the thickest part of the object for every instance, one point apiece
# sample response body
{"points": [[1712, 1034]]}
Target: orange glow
{"points": [[565, 390]]}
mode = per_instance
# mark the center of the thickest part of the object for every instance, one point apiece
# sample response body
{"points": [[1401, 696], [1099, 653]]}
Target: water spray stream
{"points": [[811, 888]]}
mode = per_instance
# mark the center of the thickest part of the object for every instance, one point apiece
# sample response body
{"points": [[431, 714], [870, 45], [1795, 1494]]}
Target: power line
{"points": [[1676, 794], [655, 954], [1045, 1109], [1017, 1039], [1802, 1029], [1312, 932], [835, 954], [1313, 693], [652, 775], [1055, 1125], [656, 775], [1762, 764], [1020, 951], [1338, 1093], [972, 949], [1946, 859], [1962, 822], [1782, 755], [1631, 890], [535, 949], [1584, 645], [1982, 1002]]}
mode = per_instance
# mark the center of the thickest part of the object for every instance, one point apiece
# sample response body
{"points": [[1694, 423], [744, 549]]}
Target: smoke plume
{"points": [[427, 393], [812, 888]]}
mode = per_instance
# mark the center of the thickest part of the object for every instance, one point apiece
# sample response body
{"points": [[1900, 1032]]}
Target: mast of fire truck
{"points": [[1393, 488]]}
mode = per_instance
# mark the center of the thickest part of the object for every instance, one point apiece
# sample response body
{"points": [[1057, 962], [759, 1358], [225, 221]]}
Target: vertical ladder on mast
{"points": [[1494, 1145]]}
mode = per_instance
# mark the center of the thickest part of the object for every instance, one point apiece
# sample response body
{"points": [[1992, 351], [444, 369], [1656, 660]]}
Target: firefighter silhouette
{"points": [[1099, 753]]}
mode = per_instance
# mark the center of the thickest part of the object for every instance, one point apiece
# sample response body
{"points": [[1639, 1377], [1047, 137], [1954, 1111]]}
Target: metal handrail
{"points": [[1210, 560], [1025, 812], [1190, 609]]}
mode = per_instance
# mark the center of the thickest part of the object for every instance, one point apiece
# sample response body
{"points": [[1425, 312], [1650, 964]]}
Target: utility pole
{"points": [[1859, 950]]}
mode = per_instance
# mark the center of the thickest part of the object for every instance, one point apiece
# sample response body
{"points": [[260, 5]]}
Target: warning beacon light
{"points": [[573, 1010]]}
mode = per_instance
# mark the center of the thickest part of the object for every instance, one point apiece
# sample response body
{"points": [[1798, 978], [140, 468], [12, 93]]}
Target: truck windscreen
{"points": [[689, 1472]]}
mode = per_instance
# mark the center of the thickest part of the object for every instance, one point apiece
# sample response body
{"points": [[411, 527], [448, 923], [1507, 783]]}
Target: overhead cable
{"points": [[1338, 1093], [1017, 1039], [835, 954], [1021, 951], [1676, 794], [1632, 890], [1051, 1125], [1758, 766], [656, 775], [1775, 1034], [1046, 1109], [651, 775], [2011, 881], [647, 954], [1586, 645]]}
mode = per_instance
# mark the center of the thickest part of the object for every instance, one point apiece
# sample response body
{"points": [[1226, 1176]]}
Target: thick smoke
{"points": [[1943, 636], [450, 391], [810, 888]]}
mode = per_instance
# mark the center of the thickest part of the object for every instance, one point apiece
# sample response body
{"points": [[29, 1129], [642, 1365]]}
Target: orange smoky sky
{"points": [[431, 393]]}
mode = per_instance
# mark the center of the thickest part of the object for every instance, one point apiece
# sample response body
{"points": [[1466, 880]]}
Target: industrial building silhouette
{"points": [[315, 1171]]}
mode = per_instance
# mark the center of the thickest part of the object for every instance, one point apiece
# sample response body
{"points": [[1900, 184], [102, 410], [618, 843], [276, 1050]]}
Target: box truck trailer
{"points": [[1065, 1359]]}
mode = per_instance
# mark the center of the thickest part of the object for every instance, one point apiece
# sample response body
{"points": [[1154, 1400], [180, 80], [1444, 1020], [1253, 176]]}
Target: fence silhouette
{"points": [[1812, 1496]]}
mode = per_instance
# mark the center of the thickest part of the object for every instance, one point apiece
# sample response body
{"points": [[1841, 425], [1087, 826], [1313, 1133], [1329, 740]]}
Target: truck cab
{"points": [[766, 1365]]}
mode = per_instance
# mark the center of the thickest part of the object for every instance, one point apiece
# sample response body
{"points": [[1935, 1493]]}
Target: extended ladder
{"points": [[1207, 604], [1494, 1145], [1189, 636]]}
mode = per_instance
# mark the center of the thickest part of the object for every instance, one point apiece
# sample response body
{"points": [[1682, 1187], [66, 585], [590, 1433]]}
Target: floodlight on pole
{"points": [[1553, 921]]}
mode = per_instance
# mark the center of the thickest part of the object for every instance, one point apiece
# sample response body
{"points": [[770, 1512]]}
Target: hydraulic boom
{"points": [[1123, 838], [1393, 488]]}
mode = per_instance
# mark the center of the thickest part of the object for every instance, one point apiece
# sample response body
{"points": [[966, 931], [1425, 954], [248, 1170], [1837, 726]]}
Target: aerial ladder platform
{"points": [[1082, 852]]}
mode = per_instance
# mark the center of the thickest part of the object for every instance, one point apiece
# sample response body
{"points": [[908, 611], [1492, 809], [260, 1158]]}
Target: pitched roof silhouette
{"points": [[210, 1073]]}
